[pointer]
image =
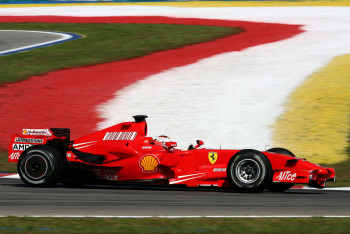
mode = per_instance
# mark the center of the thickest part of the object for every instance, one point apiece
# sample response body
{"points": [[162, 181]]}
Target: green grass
{"points": [[188, 225], [342, 172], [4, 165], [101, 43]]}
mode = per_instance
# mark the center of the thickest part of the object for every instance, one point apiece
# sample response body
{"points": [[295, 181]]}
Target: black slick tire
{"points": [[281, 151], [249, 171], [40, 166]]}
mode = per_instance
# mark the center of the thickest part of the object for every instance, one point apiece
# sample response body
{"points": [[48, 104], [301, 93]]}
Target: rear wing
{"points": [[31, 137]]}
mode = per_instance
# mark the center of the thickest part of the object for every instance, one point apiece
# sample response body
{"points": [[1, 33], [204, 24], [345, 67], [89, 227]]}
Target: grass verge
{"points": [[342, 172], [101, 43], [315, 122], [187, 225], [5, 166]]}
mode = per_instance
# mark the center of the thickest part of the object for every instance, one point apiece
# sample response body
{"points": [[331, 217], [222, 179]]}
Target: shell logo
{"points": [[149, 163]]}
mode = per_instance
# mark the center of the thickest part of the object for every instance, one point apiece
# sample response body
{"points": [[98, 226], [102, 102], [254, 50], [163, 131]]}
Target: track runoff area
{"points": [[283, 71], [295, 75]]}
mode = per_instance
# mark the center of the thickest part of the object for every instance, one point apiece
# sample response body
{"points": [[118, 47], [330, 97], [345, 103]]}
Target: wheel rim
{"points": [[35, 166], [248, 171]]}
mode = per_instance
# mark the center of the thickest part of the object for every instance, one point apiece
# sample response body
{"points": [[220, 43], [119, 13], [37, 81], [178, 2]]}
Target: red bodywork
{"points": [[124, 153]]}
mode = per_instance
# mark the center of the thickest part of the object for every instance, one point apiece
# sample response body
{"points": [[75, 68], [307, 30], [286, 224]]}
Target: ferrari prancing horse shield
{"points": [[213, 156]]}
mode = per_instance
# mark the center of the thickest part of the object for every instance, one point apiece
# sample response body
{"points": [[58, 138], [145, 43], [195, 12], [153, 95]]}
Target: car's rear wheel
{"points": [[40, 166], [249, 171], [280, 187]]}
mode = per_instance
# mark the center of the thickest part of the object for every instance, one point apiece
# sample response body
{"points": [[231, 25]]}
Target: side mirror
{"points": [[199, 143], [171, 144]]}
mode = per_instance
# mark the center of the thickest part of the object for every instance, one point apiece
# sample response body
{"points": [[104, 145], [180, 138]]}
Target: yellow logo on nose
{"points": [[213, 156], [149, 163]]}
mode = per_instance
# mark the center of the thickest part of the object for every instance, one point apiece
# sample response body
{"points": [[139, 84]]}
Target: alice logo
{"points": [[286, 175], [149, 163]]}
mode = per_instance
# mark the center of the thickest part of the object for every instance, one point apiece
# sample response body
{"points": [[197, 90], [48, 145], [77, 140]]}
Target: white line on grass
{"points": [[179, 216]]}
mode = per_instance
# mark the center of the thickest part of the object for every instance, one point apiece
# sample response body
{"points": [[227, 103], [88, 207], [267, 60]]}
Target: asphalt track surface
{"points": [[20, 200], [10, 40], [13, 41]]}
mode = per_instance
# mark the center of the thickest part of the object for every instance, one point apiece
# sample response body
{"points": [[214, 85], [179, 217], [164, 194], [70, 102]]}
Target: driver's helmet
{"points": [[160, 141]]}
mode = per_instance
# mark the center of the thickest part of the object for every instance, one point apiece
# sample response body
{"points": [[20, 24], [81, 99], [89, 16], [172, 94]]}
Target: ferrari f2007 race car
{"points": [[125, 154]]}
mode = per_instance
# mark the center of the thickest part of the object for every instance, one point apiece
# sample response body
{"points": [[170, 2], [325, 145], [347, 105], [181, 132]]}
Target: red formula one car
{"points": [[125, 154]]}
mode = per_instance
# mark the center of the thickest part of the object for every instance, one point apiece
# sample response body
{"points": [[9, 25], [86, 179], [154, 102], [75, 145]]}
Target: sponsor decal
{"points": [[15, 156], [20, 147], [111, 177], [149, 163], [184, 178], [69, 155], [84, 144], [106, 174], [286, 175], [29, 140], [111, 171], [37, 132], [219, 169], [147, 147], [213, 156], [119, 136]]}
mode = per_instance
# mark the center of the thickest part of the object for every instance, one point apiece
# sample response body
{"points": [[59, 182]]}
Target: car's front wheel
{"points": [[249, 171], [40, 166]]}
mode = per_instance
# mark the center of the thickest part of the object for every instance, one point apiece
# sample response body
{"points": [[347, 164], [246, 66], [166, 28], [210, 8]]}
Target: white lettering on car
{"points": [[20, 147], [29, 140], [119, 136], [111, 177], [40, 132], [219, 169], [286, 175], [15, 156]]}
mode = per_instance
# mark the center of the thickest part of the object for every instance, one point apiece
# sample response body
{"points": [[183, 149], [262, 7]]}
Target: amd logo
{"points": [[20, 147]]}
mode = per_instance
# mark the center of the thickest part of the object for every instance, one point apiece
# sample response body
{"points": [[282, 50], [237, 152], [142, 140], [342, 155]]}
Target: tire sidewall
{"points": [[53, 162], [260, 160]]}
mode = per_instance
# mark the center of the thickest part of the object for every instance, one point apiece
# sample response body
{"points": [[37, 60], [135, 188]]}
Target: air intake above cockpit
{"points": [[140, 118]]}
